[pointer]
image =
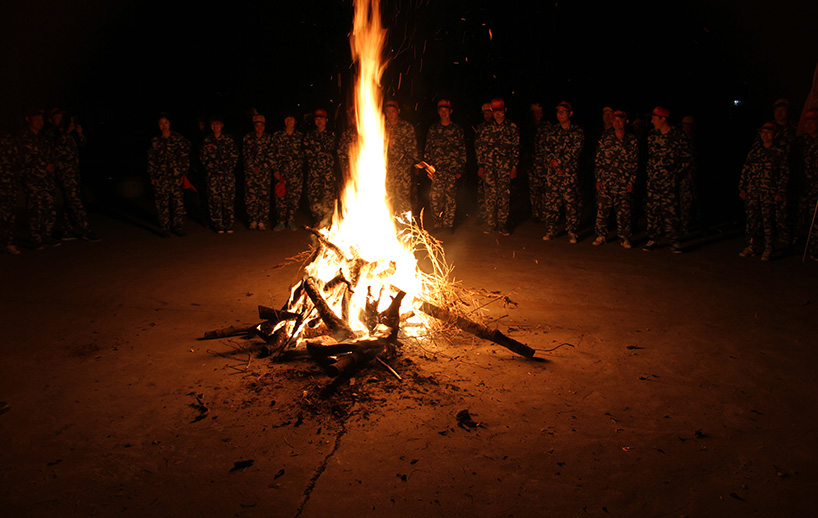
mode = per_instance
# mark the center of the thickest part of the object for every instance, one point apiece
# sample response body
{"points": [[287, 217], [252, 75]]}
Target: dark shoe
{"points": [[650, 246], [11, 250], [676, 248], [504, 231]]}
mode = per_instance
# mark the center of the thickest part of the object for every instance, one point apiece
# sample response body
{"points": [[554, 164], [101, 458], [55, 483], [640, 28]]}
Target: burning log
{"points": [[275, 315], [327, 243], [479, 330], [243, 329], [339, 329], [390, 317]]}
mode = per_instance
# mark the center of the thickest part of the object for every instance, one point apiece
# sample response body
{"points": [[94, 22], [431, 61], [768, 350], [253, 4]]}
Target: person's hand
{"points": [[599, 186], [742, 194], [513, 172], [481, 172]]}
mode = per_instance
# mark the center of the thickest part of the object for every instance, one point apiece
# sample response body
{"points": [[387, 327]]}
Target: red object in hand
{"points": [[481, 172], [599, 186], [281, 189], [629, 188], [514, 172], [554, 163]]}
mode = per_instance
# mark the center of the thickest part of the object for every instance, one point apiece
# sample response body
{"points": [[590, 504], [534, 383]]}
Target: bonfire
{"points": [[362, 289]]}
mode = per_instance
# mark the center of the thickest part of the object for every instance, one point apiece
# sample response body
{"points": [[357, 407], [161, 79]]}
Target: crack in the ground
{"points": [[320, 470]]}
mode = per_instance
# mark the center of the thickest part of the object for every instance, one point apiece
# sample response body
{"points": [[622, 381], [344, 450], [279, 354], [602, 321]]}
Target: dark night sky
{"points": [[119, 62]]}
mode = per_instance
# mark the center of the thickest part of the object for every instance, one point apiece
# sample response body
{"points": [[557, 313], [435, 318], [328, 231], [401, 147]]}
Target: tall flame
{"points": [[363, 226]]}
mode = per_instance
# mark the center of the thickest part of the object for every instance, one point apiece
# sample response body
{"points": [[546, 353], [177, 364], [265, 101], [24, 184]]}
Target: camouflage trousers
{"points": [[42, 212], [620, 200], [782, 221], [443, 199], [287, 206], [169, 197], [662, 211], [687, 200], [257, 195], [538, 192], [563, 193], [399, 186], [8, 210], [74, 217], [497, 188], [321, 195], [221, 198], [760, 212]]}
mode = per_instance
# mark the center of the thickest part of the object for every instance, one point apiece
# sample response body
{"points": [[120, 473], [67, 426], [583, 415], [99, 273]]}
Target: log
{"points": [[275, 315], [367, 351], [242, 329], [390, 317], [479, 330], [339, 329], [327, 243]]}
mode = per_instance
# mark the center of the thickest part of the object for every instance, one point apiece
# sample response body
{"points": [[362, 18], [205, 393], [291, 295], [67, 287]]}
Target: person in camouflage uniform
{"points": [[219, 156], [763, 183], [488, 118], [401, 155], [498, 150], [36, 163], [539, 191], [168, 162], [785, 137], [67, 175], [259, 155], [319, 151], [667, 158], [687, 179], [807, 146], [446, 152], [9, 180], [289, 172], [615, 165], [349, 137], [563, 145]]}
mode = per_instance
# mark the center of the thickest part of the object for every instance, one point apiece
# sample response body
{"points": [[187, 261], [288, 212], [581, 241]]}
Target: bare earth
{"points": [[675, 385]]}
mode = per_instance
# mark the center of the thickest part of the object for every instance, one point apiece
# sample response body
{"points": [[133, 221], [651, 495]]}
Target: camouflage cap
{"points": [[620, 114], [320, 112], [393, 103], [486, 107], [259, 118], [781, 102], [497, 104], [661, 111], [767, 126], [445, 103]]}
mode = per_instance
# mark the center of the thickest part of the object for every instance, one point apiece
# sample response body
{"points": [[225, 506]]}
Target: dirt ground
{"points": [[671, 386]]}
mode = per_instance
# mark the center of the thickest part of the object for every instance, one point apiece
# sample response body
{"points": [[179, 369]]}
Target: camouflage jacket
{"points": [[616, 160], [446, 148], [668, 156], [288, 151], [168, 157], [66, 152], [564, 146], [33, 152], [541, 145], [498, 145], [765, 172], [219, 154], [258, 151], [348, 138], [401, 145], [319, 149], [8, 164]]}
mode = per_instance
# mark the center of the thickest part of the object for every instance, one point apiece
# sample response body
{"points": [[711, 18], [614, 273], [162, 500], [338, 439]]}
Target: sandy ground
{"points": [[674, 385]]}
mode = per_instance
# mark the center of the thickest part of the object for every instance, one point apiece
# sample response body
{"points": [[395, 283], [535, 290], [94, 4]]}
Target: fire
{"points": [[375, 261]]}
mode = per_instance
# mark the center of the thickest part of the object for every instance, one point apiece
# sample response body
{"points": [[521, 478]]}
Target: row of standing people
{"points": [[43, 161]]}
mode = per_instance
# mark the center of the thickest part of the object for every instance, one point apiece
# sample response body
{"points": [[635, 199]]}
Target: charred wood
{"points": [[340, 330], [493, 335], [275, 315], [243, 329]]}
